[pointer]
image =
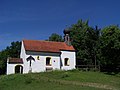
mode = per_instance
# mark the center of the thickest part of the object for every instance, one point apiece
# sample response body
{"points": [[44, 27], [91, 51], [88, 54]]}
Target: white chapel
{"points": [[41, 56]]}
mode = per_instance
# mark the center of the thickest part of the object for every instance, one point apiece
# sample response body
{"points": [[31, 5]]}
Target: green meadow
{"points": [[60, 80]]}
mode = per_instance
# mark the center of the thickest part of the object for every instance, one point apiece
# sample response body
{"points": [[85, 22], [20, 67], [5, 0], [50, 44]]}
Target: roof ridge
{"points": [[43, 41]]}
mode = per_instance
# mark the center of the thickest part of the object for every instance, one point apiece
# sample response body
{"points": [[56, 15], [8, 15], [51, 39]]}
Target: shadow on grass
{"points": [[113, 73]]}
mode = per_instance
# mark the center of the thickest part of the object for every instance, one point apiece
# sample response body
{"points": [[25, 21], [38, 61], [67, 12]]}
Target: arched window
{"points": [[48, 61], [66, 61]]}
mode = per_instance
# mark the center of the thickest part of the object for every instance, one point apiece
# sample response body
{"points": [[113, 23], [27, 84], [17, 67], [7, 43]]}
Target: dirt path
{"points": [[88, 84]]}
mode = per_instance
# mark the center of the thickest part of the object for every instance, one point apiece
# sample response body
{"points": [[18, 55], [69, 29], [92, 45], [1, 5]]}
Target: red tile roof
{"points": [[15, 60], [46, 46]]}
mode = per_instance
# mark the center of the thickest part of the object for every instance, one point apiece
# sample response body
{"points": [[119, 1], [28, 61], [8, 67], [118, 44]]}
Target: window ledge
{"points": [[67, 65], [49, 65]]}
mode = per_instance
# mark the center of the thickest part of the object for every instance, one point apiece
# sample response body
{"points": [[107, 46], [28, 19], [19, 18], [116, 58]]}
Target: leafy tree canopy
{"points": [[84, 40], [11, 51], [110, 46], [55, 37]]}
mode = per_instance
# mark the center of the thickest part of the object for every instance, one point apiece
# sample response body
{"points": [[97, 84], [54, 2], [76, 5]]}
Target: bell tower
{"points": [[66, 36]]}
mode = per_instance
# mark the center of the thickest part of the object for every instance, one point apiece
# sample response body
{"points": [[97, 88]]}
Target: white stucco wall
{"points": [[72, 59], [40, 65], [24, 56], [11, 68], [22, 53]]}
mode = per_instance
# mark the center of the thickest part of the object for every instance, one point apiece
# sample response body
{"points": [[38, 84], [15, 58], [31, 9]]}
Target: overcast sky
{"points": [[38, 19]]}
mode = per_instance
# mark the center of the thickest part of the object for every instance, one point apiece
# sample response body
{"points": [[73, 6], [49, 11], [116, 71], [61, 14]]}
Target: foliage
{"points": [[54, 80], [55, 37], [110, 47], [11, 51], [14, 49], [3, 61], [97, 47], [84, 40]]}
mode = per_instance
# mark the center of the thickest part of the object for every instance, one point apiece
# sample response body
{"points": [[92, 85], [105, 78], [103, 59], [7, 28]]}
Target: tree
{"points": [[84, 40], [10, 51], [110, 48], [55, 37], [14, 49], [3, 61]]}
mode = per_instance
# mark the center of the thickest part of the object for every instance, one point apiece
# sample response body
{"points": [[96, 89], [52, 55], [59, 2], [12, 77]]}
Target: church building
{"points": [[41, 56]]}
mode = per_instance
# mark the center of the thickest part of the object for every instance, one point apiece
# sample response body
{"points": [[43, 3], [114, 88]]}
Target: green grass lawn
{"points": [[60, 80]]}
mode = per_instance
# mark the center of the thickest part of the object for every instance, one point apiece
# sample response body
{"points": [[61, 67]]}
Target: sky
{"points": [[38, 19]]}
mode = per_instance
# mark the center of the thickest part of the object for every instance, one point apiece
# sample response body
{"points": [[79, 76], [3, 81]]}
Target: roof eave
{"points": [[67, 50], [42, 51], [15, 62]]}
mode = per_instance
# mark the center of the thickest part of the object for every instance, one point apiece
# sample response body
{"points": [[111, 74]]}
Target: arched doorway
{"points": [[19, 69]]}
